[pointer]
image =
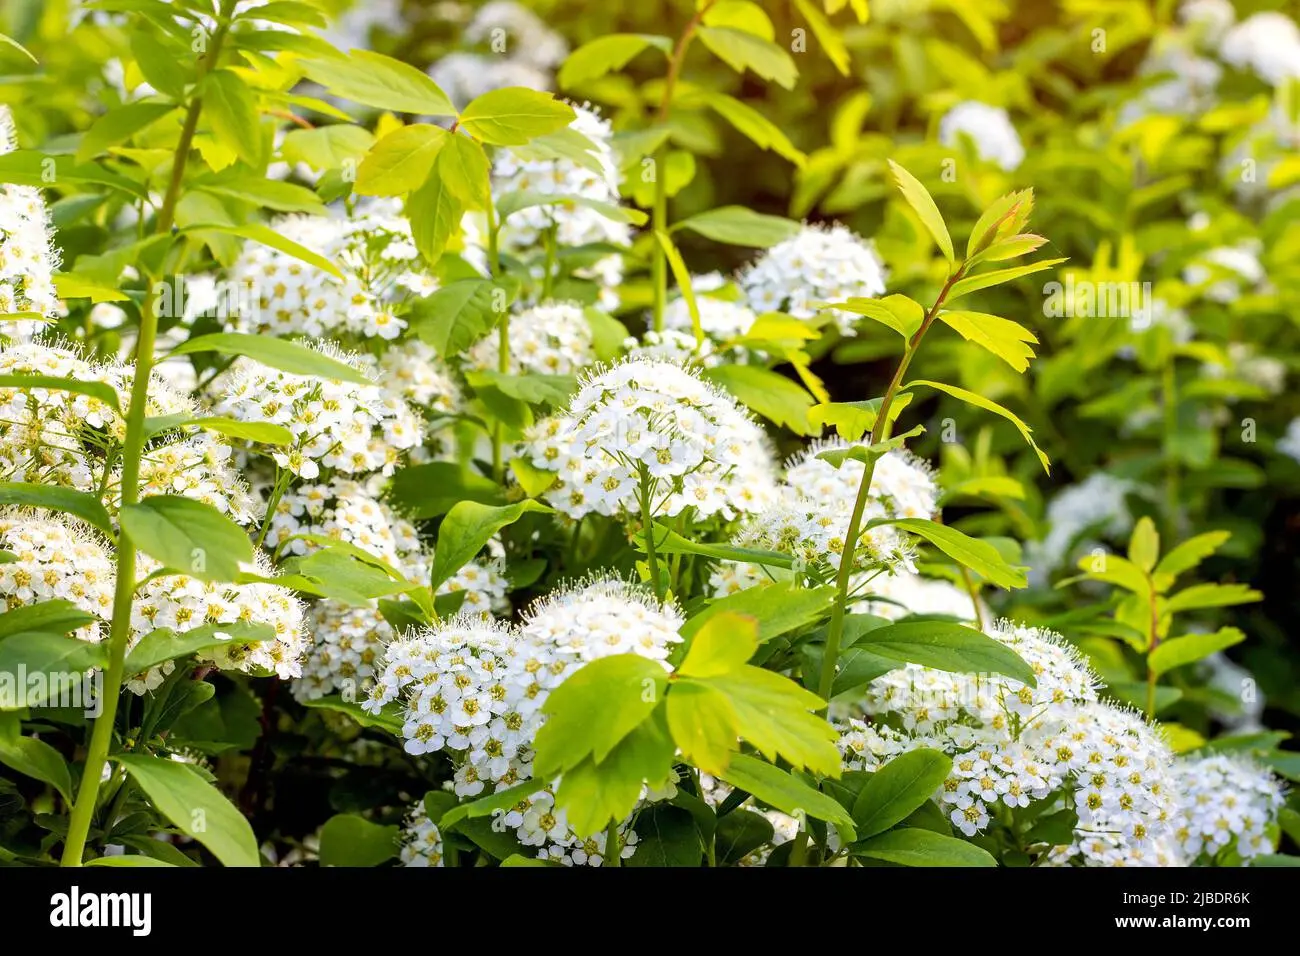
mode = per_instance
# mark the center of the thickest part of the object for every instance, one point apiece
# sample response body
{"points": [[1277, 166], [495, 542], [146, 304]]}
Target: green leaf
{"points": [[778, 607], [778, 717], [343, 577], [768, 393], [349, 840], [740, 833], [594, 795], [62, 661], [464, 167], [757, 127], [277, 353], [162, 68], [787, 793], [623, 689], [916, 847], [401, 161], [513, 115], [51, 617], [435, 213], [135, 859], [1211, 595], [535, 481], [38, 760], [980, 556], [829, 38], [429, 490], [164, 644], [455, 316], [703, 724], [268, 193], [1006, 216], [13, 44], [852, 420], [1004, 338], [513, 202], [945, 646], [971, 398], [897, 312], [986, 280], [118, 125], [898, 788], [740, 226], [667, 837], [28, 167], [327, 147], [385, 720], [683, 277], [605, 54], [373, 79], [100, 391], [194, 806], [465, 530], [71, 286], [256, 232], [79, 504], [918, 197], [668, 541], [742, 50], [231, 110], [1191, 552], [188, 536], [724, 643], [1144, 545], [1189, 648]]}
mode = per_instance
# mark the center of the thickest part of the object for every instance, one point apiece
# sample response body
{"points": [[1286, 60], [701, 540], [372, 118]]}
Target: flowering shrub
{"points": [[771, 437]]}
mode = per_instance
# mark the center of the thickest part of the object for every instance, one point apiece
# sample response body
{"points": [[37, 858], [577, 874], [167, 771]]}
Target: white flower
{"points": [[1225, 801], [602, 617], [1224, 272], [550, 339], [28, 259], [1245, 364], [527, 37], [1289, 444], [1190, 90], [815, 265], [1097, 504], [467, 76], [56, 559], [348, 511], [691, 442], [1211, 17], [279, 294], [420, 839], [340, 425], [181, 603], [989, 127], [1267, 44], [414, 372]]}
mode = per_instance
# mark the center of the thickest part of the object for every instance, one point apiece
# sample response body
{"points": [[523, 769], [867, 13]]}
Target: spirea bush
{"points": [[835, 433]]}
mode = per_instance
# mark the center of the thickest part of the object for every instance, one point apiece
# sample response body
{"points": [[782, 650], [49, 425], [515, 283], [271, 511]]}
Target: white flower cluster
{"points": [[1246, 364], [1013, 744], [550, 339], [181, 603], [476, 687], [1267, 44], [55, 559], [989, 128], [1225, 801], [466, 76], [286, 296], [692, 443], [415, 373], [815, 265], [420, 840], [1189, 91], [524, 52], [349, 641], [28, 259], [528, 38], [810, 518], [575, 224], [53, 436], [349, 428], [1227, 272], [349, 511]]}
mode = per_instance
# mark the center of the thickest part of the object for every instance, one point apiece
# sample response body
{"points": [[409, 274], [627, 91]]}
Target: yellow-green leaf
{"points": [[919, 198], [401, 161], [981, 402], [1004, 338]]}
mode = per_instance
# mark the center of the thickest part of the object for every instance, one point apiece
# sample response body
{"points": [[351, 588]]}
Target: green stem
{"points": [[1169, 399], [659, 211], [503, 333], [613, 846], [282, 476], [879, 432], [973, 590], [1153, 641], [83, 810]]}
